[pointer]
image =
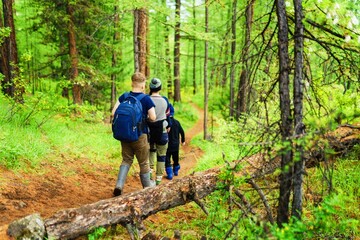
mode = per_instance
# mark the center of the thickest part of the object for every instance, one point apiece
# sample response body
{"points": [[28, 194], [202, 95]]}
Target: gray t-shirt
{"points": [[160, 109]]}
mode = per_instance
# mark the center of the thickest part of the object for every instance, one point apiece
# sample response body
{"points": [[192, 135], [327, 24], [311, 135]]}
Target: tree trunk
{"points": [[140, 48], [298, 110], [286, 122], [11, 83], [132, 207], [233, 65], [243, 90], [116, 39], [74, 72], [168, 59], [6, 85], [194, 54], [206, 88], [177, 96]]}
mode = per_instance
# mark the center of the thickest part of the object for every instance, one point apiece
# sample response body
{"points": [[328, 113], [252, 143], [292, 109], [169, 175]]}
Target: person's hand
{"points": [[168, 129], [183, 143]]}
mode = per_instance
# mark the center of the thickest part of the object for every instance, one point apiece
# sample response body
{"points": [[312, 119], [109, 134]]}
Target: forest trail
{"points": [[50, 190]]}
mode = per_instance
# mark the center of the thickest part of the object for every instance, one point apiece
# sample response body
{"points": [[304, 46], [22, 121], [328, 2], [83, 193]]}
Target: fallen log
{"points": [[137, 206], [129, 208]]}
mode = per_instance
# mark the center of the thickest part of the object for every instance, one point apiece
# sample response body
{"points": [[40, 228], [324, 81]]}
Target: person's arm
{"points": [[114, 108], [182, 134], [151, 114]]}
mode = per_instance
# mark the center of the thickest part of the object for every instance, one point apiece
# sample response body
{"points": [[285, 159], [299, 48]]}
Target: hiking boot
{"points": [[176, 170], [146, 181], [169, 172], [117, 192], [124, 169]]}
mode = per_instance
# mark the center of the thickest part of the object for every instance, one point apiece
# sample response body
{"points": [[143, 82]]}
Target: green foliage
{"points": [[45, 125], [4, 32], [96, 233], [336, 107], [186, 114], [332, 219]]}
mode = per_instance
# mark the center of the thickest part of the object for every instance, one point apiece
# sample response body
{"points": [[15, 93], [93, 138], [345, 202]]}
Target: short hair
{"points": [[138, 77]]}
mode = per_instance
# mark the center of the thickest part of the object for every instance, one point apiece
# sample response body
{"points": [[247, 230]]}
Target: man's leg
{"points": [[142, 155], [127, 160], [160, 165]]}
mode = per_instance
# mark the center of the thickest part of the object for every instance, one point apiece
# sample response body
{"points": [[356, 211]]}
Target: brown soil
{"points": [[51, 189]]}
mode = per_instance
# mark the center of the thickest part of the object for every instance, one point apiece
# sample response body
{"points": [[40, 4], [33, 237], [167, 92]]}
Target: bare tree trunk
{"points": [[168, 59], [286, 122], [140, 47], [147, 42], [243, 90], [177, 96], [206, 84], [194, 54], [298, 110], [116, 39], [74, 72], [6, 85], [233, 65], [11, 83]]}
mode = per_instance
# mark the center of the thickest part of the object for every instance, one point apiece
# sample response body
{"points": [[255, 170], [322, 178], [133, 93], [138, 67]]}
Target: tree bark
{"points": [[299, 127], [132, 207], [245, 72], [168, 58], [11, 83], [116, 39], [74, 72], [140, 44], [177, 95], [233, 50], [194, 53], [286, 122], [206, 87]]}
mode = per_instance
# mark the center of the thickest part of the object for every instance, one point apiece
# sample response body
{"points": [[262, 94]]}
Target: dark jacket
{"points": [[175, 132]]}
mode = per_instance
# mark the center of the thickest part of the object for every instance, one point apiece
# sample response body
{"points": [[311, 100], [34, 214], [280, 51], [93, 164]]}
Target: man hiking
{"points": [[139, 148]]}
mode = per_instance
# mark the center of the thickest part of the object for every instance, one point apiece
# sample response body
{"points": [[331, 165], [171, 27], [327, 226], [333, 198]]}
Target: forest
{"points": [[267, 92]]}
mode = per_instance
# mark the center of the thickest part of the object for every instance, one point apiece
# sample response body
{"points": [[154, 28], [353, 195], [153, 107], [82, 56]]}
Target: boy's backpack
{"points": [[128, 120]]}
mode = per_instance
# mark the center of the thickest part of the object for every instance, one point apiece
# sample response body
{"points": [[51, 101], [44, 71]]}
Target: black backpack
{"points": [[128, 120]]}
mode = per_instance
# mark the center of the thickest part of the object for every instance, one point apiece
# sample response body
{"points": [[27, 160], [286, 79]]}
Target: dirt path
{"points": [[49, 190]]}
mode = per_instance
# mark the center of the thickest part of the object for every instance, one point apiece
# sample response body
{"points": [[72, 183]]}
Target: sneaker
{"points": [[158, 180]]}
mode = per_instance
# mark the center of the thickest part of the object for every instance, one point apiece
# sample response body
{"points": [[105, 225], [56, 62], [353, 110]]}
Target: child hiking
{"points": [[158, 130], [175, 132], [140, 147]]}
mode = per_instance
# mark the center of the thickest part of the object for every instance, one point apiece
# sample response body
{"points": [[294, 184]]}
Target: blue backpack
{"points": [[128, 120]]}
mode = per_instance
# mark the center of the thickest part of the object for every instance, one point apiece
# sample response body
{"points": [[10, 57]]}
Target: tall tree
{"points": [[168, 58], [194, 50], [298, 109], [233, 60], [177, 96], [206, 84], [140, 42], [11, 84], [286, 122], [116, 39], [245, 72], [74, 72]]}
